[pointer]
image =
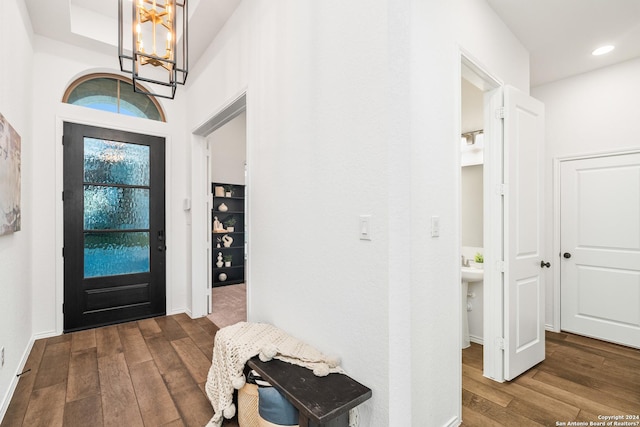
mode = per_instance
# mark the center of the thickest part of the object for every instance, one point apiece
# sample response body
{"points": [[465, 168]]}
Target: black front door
{"points": [[114, 226]]}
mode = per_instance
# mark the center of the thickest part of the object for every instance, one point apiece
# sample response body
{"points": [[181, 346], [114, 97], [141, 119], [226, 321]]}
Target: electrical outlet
{"points": [[2, 357]]}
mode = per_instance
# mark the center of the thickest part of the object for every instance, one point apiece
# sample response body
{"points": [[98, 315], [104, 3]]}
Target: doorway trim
{"points": [[95, 118], [472, 70], [200, 205]]}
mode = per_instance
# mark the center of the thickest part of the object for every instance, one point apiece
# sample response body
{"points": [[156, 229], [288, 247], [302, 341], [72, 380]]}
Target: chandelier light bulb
{"points": [[153, 21]]}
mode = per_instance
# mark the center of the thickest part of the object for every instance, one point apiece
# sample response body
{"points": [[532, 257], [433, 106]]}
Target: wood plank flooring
{"points": [[146, 373], [152, 373], [580, 380]]}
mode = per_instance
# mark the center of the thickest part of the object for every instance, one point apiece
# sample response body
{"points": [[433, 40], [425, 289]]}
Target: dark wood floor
{"points": [[152, 373], [146, 373], [579, 380]]}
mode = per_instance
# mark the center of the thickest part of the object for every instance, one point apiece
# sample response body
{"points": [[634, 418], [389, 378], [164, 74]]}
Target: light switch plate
{"points": [[435, 226], [365, 227]]}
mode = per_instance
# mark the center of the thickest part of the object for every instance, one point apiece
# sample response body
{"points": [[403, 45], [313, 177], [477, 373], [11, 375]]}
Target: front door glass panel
{"points": [[116, 198]]}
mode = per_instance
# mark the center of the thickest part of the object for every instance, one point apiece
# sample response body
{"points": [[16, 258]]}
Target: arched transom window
{"points": [[110, 92]]}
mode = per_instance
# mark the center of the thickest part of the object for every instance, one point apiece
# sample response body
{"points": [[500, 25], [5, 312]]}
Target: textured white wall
{"points": [[316, 152], [16, 260], [438, 30], [590, 113]]}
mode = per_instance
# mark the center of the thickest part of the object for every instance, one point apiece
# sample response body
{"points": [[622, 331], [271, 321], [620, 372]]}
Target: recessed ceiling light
{"points": [[602, 50]]}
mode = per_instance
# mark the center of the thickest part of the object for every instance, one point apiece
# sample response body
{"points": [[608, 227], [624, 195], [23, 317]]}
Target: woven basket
{"points": [[248, 406]]}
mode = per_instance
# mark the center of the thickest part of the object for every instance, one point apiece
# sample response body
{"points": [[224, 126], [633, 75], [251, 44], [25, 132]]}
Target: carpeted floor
{"points": [[229, 305]]}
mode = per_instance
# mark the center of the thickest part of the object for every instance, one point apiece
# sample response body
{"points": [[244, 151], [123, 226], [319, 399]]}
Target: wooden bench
{"points": [[321, 401]]}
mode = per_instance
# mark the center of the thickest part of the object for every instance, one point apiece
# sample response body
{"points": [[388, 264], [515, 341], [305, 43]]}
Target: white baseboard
{"points": [[48, 334], [551, 328], [6, 399], [477, 340], [453, 422], [480, 340]]}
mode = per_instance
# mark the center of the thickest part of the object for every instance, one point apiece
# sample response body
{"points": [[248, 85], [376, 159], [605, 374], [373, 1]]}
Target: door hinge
{"points": [[500, 113], [501, 189], [63, 252], [500, 343], [62, 308], [63, 196], [500, 266]]}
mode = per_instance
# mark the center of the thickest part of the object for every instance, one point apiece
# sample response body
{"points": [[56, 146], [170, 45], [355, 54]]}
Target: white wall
{"points": [[16, 260], [595, 112], [228, 151], [314, 139], [351, 109], [472, 205], [437, 28], [472, 176], [472, 107]]}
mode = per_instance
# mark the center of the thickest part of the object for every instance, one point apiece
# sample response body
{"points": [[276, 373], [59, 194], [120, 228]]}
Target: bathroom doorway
{"points": [[513, 226], [472, 211], [481, 216]]}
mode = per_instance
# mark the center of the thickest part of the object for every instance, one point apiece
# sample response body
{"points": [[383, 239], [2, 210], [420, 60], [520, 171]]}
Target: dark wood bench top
{"points": [[319, 399]]}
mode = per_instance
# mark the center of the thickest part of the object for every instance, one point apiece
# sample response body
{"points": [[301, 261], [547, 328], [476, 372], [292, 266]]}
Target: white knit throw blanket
{"points": [[234, 345]]}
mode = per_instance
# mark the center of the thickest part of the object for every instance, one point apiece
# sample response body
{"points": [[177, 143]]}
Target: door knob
{"points": [[545, 264], [567, 255]]}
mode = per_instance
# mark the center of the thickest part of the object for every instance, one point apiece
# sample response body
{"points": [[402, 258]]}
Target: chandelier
{"points": [[152, 45]]}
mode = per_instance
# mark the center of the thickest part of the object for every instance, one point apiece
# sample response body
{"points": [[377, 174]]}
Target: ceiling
{"points": [[559, 34], [93, 24]]}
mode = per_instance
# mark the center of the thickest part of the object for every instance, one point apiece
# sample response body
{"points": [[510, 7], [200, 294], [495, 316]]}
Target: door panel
{"points": [[600, 233], [524, 232], [114, 259]]}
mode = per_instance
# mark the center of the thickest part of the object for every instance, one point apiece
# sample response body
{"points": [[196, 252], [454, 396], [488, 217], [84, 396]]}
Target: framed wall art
{"points": [[9, 178]]}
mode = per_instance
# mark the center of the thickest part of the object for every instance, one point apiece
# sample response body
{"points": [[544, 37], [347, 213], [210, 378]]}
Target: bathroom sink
{"points": [[470, 274]]}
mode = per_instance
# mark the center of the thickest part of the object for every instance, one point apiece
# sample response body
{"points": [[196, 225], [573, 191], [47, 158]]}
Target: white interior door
{"points": [[600, 240], [524, 287]]}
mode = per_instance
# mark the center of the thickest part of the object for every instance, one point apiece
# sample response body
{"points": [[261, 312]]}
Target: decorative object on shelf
{"points": [[219, 263], [152, 45], [227, 241], [217, 225], [222, 277], [227, 225], [230, 223]]}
